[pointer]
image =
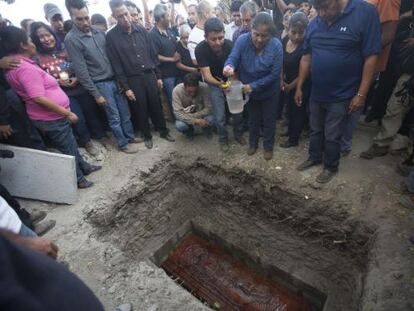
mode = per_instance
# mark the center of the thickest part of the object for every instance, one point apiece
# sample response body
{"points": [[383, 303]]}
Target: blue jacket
{"points": [[261, 72]]}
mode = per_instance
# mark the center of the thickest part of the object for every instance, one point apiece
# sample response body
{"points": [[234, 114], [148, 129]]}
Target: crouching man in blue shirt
{"points": [[258, 58], [341, 50]]}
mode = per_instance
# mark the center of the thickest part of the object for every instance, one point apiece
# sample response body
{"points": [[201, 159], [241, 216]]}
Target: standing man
{"points": [[136, 15], [134, 59], [341, 71], [211, 55], [85, 45], [248, 12], [166, 48], [55, 18], [204, 11], [236, 19]]}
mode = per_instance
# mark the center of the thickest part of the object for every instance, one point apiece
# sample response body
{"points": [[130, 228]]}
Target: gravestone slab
{"points": [[39, 175]]}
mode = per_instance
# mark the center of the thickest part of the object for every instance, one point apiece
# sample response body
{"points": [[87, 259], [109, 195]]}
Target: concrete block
{"points": [[39, 175]]}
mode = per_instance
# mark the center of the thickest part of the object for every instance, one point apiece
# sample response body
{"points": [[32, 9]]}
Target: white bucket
{"points": [[234, 97]]}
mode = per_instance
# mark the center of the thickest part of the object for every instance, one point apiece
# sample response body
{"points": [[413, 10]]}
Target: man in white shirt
{"points": [[235, 18], [204, 11]]}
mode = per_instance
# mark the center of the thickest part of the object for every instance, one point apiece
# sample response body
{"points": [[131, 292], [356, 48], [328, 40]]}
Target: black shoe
{"points": [[325, 176], [288, 144], [44, 227], [85, 184], [37, 216], [148, 143], [92, 168], [168, 137], [307, 164]]}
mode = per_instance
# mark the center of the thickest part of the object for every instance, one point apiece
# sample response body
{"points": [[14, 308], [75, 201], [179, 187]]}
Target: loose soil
{"points": [[348, 239]]}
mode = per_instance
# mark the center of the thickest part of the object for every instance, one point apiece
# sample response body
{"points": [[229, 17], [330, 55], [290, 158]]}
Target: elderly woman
{"points": [[258, 59], [185, 64], [46, 103]]}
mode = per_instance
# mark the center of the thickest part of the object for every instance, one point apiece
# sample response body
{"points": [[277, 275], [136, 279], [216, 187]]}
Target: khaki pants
{"points": [[397, 108]]}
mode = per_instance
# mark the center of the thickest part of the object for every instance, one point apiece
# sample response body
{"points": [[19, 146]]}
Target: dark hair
{"points": [[11, 39], [264, 18], [75, 4], [235, 5], [213, 24], [132, 5], [67, 25], [191, 79], [35, 38], [298, 20], [318, 2], [98, 19], [114, 4], [25, 22]]}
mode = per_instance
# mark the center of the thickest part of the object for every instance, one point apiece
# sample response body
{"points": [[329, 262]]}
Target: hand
{"points": [[64, 83], [288, 87], [73, 82], [201, 122], [130, 95], [101, 101], [228, 71], [409, 43], [298, 97], [247, 89], [73, 118], [5, 131], [42, 245], [159, 84], [282, 85], [176, 57], [9, 62], [356, 103]]}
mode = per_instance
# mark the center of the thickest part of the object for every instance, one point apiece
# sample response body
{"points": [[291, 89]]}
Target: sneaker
{"points": [[373, 152], [44, 227], [37, 216], [224, 147], [92, 168], [240, 140], [288, 144], [148, 143], [85, 184], [136, 140], [91, 149], [251, 151], [129, 149], [268, 155], [406, 201], [168, 137], [325, 176], [307, 164]]}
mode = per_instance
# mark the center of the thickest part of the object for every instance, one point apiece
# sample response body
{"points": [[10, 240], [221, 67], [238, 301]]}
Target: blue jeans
{"points": [[218, 101], [185, 128], [60, 134], [262, 113], [27, 232], [351, 124], [328, 122], [117, 111], [80, 128], [169, 85]]}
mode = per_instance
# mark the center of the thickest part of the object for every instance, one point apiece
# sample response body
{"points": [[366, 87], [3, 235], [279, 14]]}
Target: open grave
{"points": [[206, 226]]}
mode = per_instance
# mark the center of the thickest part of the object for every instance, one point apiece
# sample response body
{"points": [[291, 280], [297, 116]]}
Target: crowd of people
{"points": [[314, 65]]}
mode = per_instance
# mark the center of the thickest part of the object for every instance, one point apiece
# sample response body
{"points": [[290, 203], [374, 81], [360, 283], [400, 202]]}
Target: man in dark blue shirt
{"points": [[341, 51]]}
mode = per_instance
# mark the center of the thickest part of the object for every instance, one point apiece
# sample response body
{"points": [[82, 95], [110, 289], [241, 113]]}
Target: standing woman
{"points": [[293, 51], [46, 104], [258, 59], [55, 61]]}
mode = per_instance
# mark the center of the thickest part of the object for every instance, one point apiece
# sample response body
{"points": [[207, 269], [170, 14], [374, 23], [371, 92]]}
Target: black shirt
{"points": [[165, 45], [131, 54], [207, 58], [185, 58], [291, 61]]}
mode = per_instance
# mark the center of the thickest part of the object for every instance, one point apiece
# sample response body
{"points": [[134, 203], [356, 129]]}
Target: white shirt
{"points": [[196, 36], [230, 29], [8, 218]]}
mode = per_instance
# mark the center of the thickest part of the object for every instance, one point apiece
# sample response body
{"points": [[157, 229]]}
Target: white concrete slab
{"points": [[39, 175]]}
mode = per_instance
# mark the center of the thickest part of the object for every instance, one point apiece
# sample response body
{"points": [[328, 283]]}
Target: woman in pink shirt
{"points": [[46, 103]]}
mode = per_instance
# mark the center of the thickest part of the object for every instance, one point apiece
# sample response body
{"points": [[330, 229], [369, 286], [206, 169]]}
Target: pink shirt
{"points": [[30, 81]]}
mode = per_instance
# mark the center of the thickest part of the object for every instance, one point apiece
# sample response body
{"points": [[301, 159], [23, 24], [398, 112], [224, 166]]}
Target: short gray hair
{"points": [[184, 28], [249, 7], [159, 11]]}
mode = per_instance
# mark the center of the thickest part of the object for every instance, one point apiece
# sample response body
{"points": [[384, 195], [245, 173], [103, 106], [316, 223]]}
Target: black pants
{"points": [[148, 104], [297, 117]]}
